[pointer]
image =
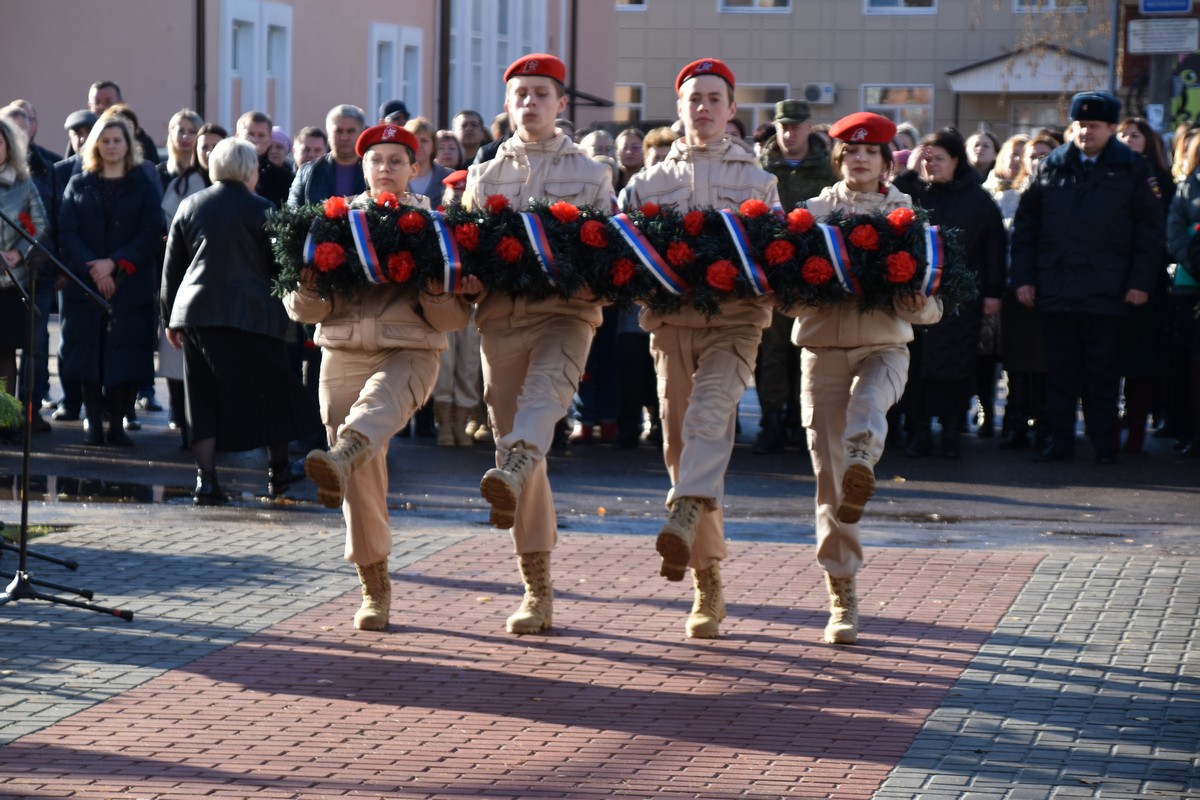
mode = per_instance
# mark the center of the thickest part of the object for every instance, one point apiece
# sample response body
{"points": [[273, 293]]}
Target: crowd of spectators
{"points": [[106, 206]]}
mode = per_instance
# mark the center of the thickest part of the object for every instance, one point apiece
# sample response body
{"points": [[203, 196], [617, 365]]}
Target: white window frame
{"points": [[723, 8], [760, 112], [888, 109], [870, 10], [1046, 6], [404, 86], [639, 107], [527, 34], [260, 16]]}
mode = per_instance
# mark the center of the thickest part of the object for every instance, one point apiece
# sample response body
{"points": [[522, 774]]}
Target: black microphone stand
{"points": [[23, 586]]}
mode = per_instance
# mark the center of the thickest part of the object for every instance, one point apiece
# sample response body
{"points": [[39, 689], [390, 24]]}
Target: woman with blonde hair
{"points": [[20, 200], [110, 234]]}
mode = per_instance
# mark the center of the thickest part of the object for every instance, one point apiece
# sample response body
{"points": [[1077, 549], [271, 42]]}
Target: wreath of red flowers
{"points": [[467, 236], [495, 203], [779, 252], [816, 270], [900, 219], [400, 266], [693, 223], [680, 254], [651, 209], [721, 275], [387, 200], [800, 220], [754, 209], [592, 234], [564, 212], [622, 271], [901, 267], [510, 249]]}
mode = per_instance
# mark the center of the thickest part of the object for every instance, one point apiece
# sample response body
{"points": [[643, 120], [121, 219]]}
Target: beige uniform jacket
{"points": [[523, 172], [382, 317], [843, 325], [721, 175]]}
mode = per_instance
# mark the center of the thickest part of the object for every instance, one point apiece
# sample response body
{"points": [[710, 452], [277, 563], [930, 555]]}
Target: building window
{"points": [[756, 103], [628, 103], [255, 68], [394, 66], [485, 37], [1031, 115], [912, 104], [631, 5], [755, 6], [1041, 6], [899, 6]]}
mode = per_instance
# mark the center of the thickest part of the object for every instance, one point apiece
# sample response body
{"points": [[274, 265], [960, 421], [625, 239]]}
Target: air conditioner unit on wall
{"points": [[820, 93]]}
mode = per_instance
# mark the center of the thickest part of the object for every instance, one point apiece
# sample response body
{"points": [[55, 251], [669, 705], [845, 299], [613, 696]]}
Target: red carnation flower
{"points": [[900, 219], [650, 209], [901, 267], [27, 223], [721, 274], [754, 208], [510, 249], [592, 234], [800, 220], [467, 236], [779, 252], [816, 270], [864, 237], [336, 207], [411, 222], [564, 212], [400, 266], [622, 271], [329, 256], [496, 203], [128, 267], [679, 253], [387, 200], [693, 223]]}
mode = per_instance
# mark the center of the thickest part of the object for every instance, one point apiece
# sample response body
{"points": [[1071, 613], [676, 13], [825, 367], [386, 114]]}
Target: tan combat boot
{"points": [[330, 470], [858, 484], [443, 416], [843, 610], [708, 609], [377, 597], [459, 416], [678, 532], [537, 607], [501, 486]]}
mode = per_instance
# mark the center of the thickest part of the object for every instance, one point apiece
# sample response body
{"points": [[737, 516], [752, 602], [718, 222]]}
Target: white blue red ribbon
{"points": [[453, 274], [645, 252], [839, 257], [365, 247], [310, 242], [535, 230], [935, 259], [741, 245]]}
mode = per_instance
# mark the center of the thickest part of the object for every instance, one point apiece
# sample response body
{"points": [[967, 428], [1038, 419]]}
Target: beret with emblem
{"points": [[1095, 106], [863, 127], [537, 65], [705, 66], [385, 134]]}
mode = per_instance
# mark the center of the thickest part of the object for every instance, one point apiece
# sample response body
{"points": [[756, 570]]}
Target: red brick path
{"points": [[616, 702]]}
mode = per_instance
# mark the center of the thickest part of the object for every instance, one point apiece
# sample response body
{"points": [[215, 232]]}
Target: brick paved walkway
{"points": [[980, 675]]}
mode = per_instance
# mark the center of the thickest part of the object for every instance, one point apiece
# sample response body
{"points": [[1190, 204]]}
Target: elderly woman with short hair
{"points": [[216, 297]]}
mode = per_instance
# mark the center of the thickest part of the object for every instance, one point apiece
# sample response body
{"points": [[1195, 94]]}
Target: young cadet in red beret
{"points": [[533, 350], [703, 366], [853, 369], [379, 363]]}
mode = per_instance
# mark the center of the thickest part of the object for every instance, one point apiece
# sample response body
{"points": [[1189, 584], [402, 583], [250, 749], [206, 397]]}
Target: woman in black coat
{"points": [[216, 299], [942, 371], [110, 230]]}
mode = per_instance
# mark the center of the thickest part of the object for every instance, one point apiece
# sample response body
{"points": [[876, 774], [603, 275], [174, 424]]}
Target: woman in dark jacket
{"points": [[216, 298], [110, 230], [941, 375]]}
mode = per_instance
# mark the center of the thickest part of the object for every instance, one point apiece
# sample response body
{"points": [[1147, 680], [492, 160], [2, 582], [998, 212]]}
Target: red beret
{"points": [[455, 178], [863, 127], [537, 64], [705, 66], [388, 133]]}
